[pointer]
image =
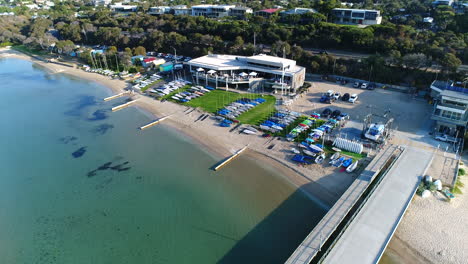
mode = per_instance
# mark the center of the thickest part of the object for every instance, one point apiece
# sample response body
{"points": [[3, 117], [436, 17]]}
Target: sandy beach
{"points": [[321, 183]]}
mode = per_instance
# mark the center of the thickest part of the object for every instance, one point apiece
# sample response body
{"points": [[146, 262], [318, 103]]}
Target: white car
{"points": [[364, 86], [336, 95], [330, 93], [353, 98]]}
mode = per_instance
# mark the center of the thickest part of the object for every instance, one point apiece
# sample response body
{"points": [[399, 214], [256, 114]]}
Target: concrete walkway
{"points": [[367, 236], [325, 228]]}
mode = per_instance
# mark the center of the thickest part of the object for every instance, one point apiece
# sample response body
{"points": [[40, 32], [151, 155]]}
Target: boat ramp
{"points": [[118, 95], [235, 155], [153, 123], [119, 107]]}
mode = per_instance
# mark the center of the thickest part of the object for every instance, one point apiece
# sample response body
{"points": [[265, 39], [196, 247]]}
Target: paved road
{"points": [[367, 236]]}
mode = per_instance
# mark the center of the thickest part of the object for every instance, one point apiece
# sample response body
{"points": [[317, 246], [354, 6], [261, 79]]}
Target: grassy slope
{"points": [[215, 100], [260, 112], [26, 50]]}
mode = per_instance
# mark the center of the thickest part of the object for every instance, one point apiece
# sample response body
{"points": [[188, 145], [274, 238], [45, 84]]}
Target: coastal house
{"points": [[180, 10], [121, 8], [213, 11], [248, 72], [159, 10], [266, 13], [101, 2], [450, 112], [356, 16], [297, 11], [240, 12], [442, 2]]}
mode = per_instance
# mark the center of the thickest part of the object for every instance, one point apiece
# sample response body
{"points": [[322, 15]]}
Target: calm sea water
{"points": [[79, 184]]}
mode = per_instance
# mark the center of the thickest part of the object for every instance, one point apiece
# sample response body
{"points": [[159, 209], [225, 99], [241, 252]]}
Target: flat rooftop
{"points": [[254, 63]]}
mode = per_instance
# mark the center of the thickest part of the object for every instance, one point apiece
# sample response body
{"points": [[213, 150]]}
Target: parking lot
{"points": [[410, 115]]}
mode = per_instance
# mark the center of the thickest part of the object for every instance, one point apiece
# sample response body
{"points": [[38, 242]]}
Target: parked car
{"points": [[336, 114], [353, 98], [325, 99], [336, 95], [364, 85], [356, 84], [330, 93], [442, 138], [342, 116], [326, 112], [371, 86], [344, 82], [315, 115], [345, 97]]}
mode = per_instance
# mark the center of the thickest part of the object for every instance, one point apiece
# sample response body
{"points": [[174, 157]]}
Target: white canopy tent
{"points": [[253, 74], [243, 74], [200, 69], [211, 72]]}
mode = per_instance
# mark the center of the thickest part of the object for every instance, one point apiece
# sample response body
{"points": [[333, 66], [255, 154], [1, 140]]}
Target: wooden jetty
{"points": [[123, 106], [153, 123], [117, 95], [235, 155]]}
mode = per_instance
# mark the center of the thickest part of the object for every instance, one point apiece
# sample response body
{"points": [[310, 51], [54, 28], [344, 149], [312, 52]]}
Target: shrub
{"points": [[456, 190], [421, 188], [459, 184], [461, 172], [132, 70], [432, 187]]}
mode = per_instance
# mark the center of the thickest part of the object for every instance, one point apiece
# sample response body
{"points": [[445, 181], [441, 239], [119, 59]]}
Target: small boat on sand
{"points": [[338, 162], [334, 157], [295, 151], [347, 162], [308, 153], [352, 167], [320, 158], [249, 132]]}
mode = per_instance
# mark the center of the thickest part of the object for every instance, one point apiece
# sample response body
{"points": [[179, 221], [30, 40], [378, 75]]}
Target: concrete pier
{"points": [[153, 123], [117, 95], [312, 244], [230, 158], [123, 106]]}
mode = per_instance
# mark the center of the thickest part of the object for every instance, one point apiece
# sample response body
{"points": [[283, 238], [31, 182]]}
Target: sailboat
{"points": [[320, 158], [352, 167]]}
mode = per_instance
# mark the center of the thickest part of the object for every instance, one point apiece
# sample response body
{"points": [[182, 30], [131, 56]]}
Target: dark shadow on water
{"points": [[79, 152], [108, 166], [276, 237], [100, 114], [101, 129], [82, 102]]}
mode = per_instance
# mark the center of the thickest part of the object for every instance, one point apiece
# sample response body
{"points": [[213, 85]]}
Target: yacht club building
{"points": [[252, 72]]}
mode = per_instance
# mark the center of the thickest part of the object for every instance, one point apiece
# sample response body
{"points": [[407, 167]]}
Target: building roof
{"points": [[455, 94], [358, 10], [232, 62], [270, 10]]}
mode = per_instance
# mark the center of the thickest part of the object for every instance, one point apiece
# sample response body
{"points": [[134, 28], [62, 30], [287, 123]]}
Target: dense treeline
{"points": [[400, 49]]}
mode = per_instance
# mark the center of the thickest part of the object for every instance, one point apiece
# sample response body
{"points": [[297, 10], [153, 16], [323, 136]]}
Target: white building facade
{"points": [[356, 16], [248, 72]]}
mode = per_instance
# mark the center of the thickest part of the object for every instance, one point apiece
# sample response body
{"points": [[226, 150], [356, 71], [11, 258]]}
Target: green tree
{"points": [[139, 51]]}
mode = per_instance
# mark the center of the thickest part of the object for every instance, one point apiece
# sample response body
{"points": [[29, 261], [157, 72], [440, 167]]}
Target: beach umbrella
{"points": [[253, 74], [200, 70], [242, 74], [211, 71]]}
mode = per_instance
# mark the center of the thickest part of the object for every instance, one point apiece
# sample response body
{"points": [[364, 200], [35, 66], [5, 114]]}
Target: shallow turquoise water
{"points": [[159, 204]]}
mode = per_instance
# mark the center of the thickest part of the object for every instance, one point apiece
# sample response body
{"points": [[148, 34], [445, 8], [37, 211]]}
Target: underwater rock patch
{"points": [[80, 152], [67, 139], [101, 129], [107, 166], [99, 115]]}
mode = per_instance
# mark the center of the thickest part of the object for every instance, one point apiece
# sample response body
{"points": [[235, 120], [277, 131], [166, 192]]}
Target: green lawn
{"points": [[355, 156], [260, 112], [27, 50], [215, 100]]}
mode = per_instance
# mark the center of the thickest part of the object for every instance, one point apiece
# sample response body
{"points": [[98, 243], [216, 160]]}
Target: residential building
{"points": [[267, 12], [450, 111], [429, 20], [442, 2], [102, 2], [240, 12], [120, 8], [214, 11], [297, 11], [159, 10], [356, 16], [179, 10], [252, 72]]}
